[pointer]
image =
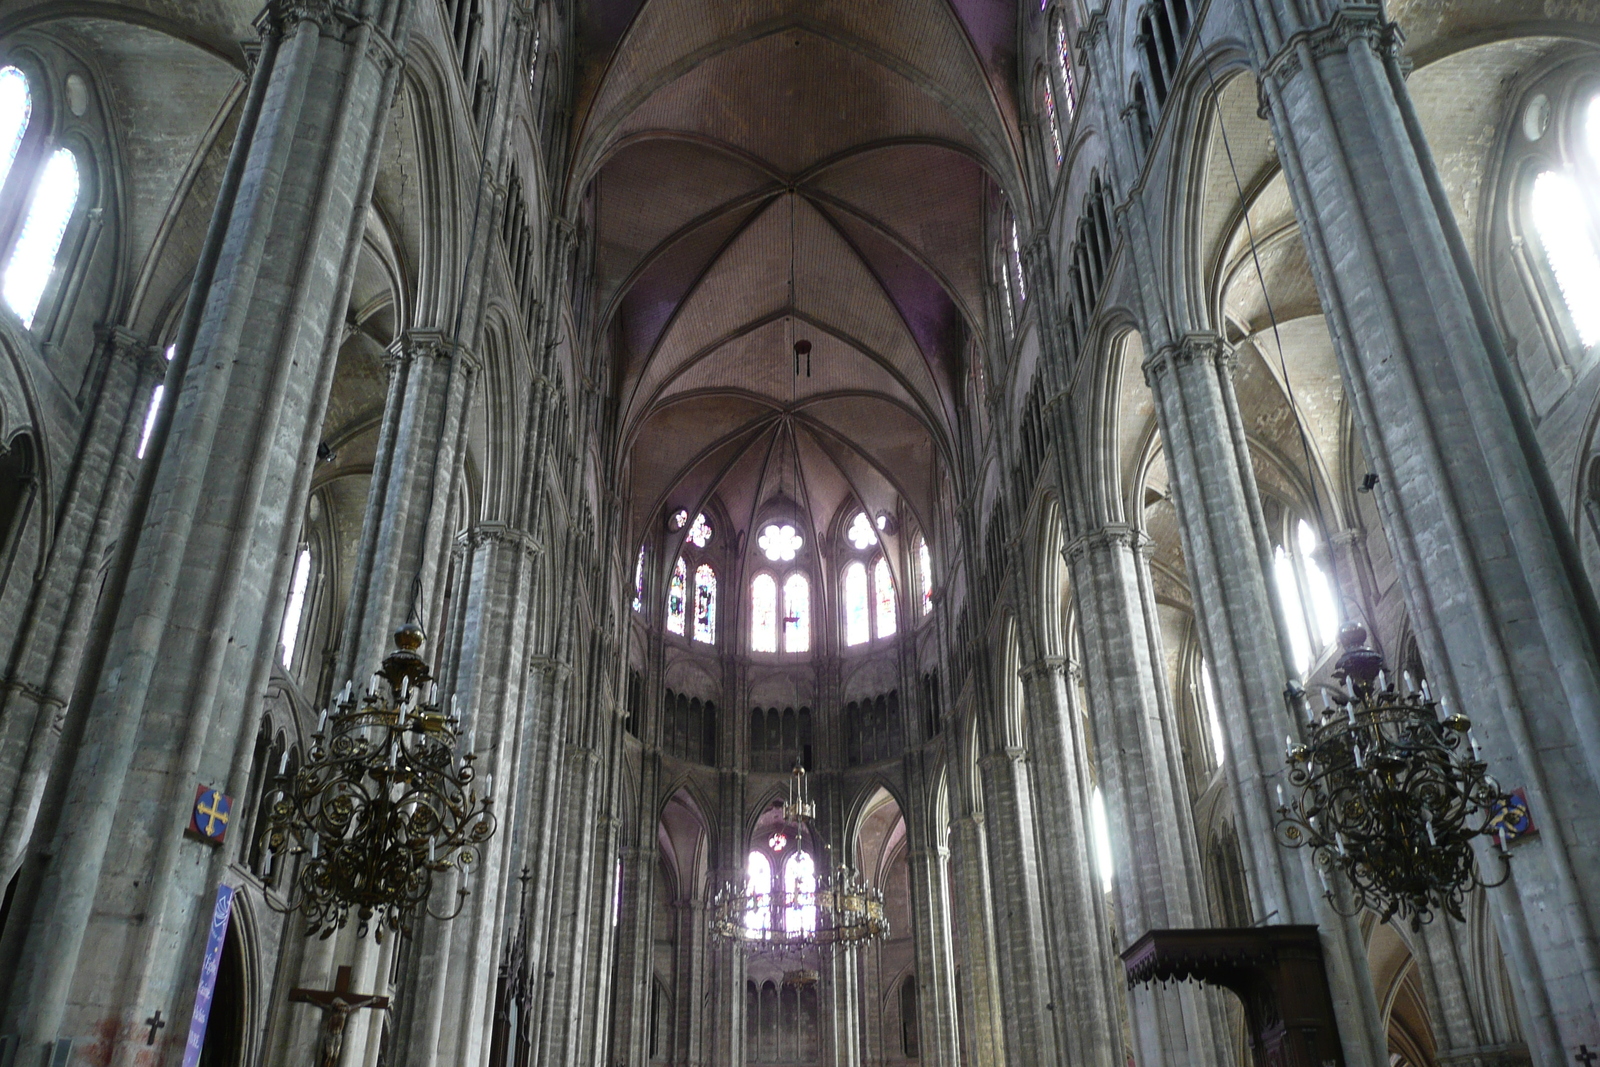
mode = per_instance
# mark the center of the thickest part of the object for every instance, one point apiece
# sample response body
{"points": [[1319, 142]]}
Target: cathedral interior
{"points": [[960, 533]]}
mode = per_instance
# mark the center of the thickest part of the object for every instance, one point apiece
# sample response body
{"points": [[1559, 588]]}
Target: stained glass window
{"points": [[778, 842], [705, 603], [1052, 120], [289, 632], [883, 594], [1562, 219], [1069, 83], [678, 518], [764, 614], [1324, 608], [861, 533], [779, 542], [1016, 262], [796, 614], [16, 107], [34, 256], [1005, 293], [1294, 611], [925, 573], [677, 597], [800, 884], [758, 880], [638, 582], [700, 532], [856, 625]]}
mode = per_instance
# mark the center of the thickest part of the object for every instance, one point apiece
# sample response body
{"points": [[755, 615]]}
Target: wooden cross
{"points": [[1586, 1057], [338, 1003], [155, 1022]]}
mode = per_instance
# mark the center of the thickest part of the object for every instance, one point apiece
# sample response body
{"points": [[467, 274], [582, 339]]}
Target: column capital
{"points": [[285, 16], [414, 345], [1350, 23], [1044, 667], [1093, 31], [1190, 348], [1111, 535], [122, 344], [496, 533]]}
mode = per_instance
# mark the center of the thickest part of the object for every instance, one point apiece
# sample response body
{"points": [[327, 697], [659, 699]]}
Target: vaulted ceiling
{"points": [[775, 171]]}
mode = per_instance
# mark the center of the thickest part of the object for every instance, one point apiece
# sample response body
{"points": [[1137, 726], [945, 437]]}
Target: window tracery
{"points": [[779, 542]]}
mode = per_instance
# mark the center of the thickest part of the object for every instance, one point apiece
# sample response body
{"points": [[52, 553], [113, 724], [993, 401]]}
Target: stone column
{"points": [[49, 630], [979, 1023], [1158, 881], [926, 855], [1084, 960], [168, 681], [1504, 612], [1245, 637]]}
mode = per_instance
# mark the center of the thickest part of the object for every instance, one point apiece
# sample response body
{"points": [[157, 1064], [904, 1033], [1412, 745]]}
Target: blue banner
{"points": [[208, 975]]}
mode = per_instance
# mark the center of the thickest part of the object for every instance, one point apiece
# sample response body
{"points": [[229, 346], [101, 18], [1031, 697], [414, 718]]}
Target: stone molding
{"points": [[494, 533], [414, 345], [1045, 666], [1351, 23], [1192, 347], [35, 694], [1111, 535]]}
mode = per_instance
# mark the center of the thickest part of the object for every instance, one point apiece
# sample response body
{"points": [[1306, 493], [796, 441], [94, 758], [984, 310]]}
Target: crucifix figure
{"points": [[338, 1003], [155, 1022], [1586, 1057]]}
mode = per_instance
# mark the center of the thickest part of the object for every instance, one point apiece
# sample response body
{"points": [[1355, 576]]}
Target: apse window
{"points": [[779, 542], [792, 627], [700, 532], [705, 604], [925, 574], [800, 893], [33, 258], [678, 597], [758, 880], [861, 534], [638, 582]]}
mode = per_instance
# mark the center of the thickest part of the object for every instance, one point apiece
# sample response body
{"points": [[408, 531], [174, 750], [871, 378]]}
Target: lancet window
{"points": [[1560, 216], [40, 190], [294, 611], [692, 590], [868, 598], [1052, 121], [1305, 594]]}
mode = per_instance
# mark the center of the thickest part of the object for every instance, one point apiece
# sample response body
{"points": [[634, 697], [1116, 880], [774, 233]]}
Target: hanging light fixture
{"points": [[382, 804], [848, 908], [1391, 794]]}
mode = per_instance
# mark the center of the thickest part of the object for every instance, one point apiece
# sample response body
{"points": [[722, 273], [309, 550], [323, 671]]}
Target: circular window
{"points": [[780, 543]]}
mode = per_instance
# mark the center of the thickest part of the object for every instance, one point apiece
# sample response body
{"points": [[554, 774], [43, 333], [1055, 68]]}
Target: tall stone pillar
{"points": [[1024, 964], [1084, 961], [927, 855], [1158, 881], [48, 631], [169, 681], [1229, 556], [979, 1028], [1503, 609]]}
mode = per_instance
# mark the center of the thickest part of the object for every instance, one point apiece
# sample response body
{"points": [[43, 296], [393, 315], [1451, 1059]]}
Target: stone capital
{"points": [[496, 533], [415, 345], [1352, 22], [1189, 349], [1044, 668], [123, 344], [1113, 535]]}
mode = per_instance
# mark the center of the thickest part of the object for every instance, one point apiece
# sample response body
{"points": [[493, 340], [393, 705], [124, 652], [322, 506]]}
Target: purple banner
{"points": [[208, 975]]}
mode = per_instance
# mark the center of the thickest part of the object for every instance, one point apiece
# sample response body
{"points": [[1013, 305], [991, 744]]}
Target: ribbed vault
{"points": [[760, 174]]}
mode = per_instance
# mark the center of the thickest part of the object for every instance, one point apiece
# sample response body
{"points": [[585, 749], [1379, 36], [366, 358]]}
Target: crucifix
{"points": [[155, 1022], [338, 1003], [1586, 1057]]}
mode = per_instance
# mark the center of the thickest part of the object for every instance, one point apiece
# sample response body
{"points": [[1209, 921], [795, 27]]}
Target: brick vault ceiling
{"points": [[855, 148]]}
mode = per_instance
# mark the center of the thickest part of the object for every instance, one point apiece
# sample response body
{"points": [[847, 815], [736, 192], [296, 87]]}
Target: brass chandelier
{"points": [[841, 907], [381, 805], [1391, 794]]}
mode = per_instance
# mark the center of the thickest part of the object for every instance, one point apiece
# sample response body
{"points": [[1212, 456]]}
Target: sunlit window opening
{"points": [[155, 407], [1293, 609], [616, 896], [1324, 606], [16, 107], [758, 879], [1208, 696], [1100, 830], [1052, 120], [1591, 128], [1069, 85], [35, 254], [638, 582], [289, 632], [1016, 263], [925, 573], [800, 885], [861, 534], [700, 532], [857, 627], [883, 594], [796, 614], [677, 597], [764, 614], [1562, 219], [1005, 292], [779, 542], [705, 604]]}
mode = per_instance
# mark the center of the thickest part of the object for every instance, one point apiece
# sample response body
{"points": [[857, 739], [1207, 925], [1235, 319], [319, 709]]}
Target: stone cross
{"points": [[338, 1003], [155, 1022]]}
